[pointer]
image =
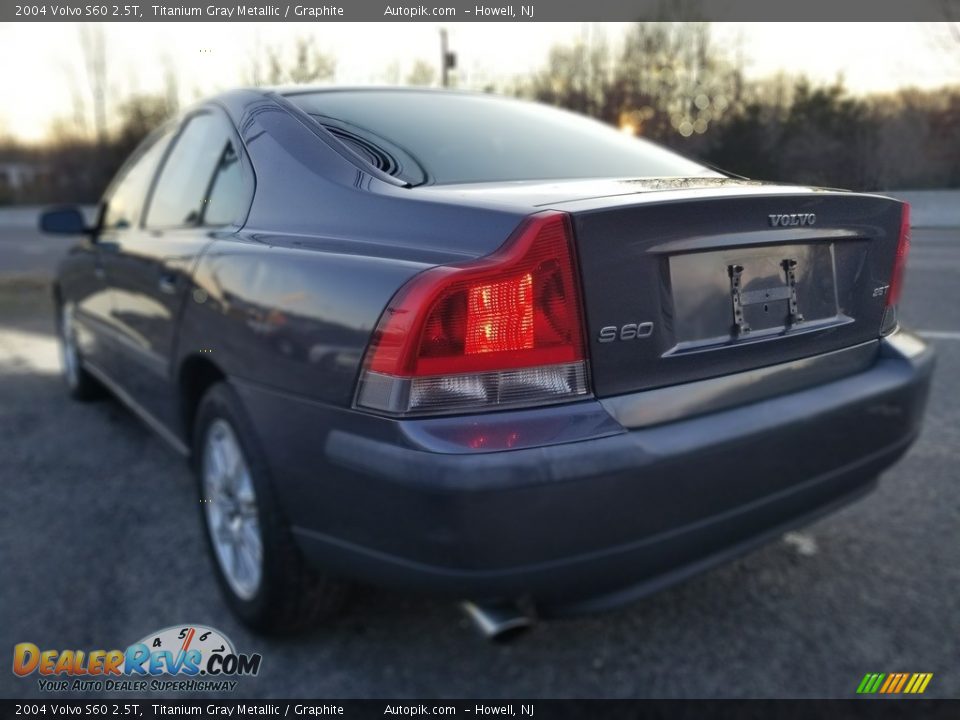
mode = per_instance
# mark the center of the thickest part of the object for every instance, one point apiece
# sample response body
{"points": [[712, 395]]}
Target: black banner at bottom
{"points": [[485, 709]]}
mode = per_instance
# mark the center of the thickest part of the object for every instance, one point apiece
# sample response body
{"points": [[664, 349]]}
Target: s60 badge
{"points": [[630, 331]]}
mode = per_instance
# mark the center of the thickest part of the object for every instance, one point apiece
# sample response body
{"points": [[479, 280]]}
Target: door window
{"points": [[128, 193], [201, 182], [227, 197]]}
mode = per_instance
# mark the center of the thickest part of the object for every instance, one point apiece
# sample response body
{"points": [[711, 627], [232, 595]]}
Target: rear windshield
{"points": [[432, 137]]}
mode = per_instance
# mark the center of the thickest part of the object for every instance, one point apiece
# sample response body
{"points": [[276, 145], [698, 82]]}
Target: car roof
{"points": [[292, 90], [238, 98], [311, 89]]}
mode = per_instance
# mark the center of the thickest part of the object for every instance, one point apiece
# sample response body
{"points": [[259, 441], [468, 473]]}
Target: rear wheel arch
{"points": [[289, 594], [196, 376]]}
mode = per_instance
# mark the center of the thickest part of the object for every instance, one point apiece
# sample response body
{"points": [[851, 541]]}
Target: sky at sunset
{"points": [[42, 61]]}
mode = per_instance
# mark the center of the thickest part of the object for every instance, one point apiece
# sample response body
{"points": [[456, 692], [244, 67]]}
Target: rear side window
{"points": [[435, 137], [227, 196], [126, 198], [201, 182]]}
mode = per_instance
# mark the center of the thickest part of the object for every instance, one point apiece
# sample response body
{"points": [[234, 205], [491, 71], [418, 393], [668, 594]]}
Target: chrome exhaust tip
{"points": [[498, 621]]}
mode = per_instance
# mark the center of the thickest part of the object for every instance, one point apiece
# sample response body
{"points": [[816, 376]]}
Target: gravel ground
{"points": [[101, 545]]}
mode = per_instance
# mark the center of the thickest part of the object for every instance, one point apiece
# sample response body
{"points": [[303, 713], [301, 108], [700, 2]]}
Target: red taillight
{"points": [[900, 262], [500, 316], [505, 329]]}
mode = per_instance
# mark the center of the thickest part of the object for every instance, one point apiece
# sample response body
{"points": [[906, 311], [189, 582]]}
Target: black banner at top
{"points": [[856, 11]]}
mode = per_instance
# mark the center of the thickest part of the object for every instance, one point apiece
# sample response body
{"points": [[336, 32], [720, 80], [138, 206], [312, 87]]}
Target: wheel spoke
{"points": [[69, 348], [237, 555], [244, 495], [223, 530], [216, 495], [231, 459], [219, 463], [232, 516], [251, 541], [246, 563]]}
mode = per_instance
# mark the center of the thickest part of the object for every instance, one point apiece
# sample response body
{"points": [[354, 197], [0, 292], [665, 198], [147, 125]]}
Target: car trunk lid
{"points": [[693, 287]]}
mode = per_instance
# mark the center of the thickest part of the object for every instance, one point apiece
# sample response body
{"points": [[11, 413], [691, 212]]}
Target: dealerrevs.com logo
{"points": [[186, 658]]}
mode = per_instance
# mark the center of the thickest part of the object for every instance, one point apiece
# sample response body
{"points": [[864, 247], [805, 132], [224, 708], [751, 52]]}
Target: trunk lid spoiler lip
{"points": [[544, 193], [698, 194]]}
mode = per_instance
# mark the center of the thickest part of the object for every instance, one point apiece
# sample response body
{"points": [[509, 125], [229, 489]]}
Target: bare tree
{"points": [[253, 75], [310, 64], [671, 80], [423, 73], [951, 12], [668, 82], [953, 29], [306, 64], [78, 108], [391, 74], [576, 76], [93, 46], [171, 85]]}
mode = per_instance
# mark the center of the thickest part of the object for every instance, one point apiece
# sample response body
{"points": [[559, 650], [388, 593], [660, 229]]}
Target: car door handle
{"points": [[168, 283]]}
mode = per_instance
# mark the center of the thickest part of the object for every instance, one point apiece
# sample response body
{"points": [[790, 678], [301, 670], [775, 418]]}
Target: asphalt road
{"points": [[24, 250], [101, 544]]}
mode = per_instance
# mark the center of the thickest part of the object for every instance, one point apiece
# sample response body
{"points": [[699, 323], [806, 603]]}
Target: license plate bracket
{"points": [[775, 298], [741, 298]]}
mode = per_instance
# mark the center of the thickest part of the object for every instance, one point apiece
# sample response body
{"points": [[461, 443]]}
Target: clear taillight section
{"points": [[502, 331]]}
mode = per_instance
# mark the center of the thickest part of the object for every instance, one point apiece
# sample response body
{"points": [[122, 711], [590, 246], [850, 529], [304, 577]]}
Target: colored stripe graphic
{"points": [[918, 683], [870, 683], [894, 683], [892, 680]]}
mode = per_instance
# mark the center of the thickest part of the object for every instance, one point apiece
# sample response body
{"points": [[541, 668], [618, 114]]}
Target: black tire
{"points": [[291, 595], [81, 385]]}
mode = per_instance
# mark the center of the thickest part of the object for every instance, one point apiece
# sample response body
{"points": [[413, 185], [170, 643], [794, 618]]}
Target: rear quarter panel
{"points": [[290, 301], [297, 321]]}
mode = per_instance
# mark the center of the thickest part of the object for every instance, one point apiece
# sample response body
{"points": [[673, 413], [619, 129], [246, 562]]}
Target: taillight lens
{"points": [[505, 330], [900, 262]]}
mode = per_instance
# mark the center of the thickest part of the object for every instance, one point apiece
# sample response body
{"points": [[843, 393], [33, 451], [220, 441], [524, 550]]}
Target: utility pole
{"points": [[448, 60]]}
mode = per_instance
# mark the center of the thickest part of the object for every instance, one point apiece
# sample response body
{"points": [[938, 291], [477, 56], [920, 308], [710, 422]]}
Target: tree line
{"points": [[669, 82]]}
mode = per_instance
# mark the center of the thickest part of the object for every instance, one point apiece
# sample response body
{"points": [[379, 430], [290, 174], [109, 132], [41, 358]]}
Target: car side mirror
{"points": [[66, 220]]}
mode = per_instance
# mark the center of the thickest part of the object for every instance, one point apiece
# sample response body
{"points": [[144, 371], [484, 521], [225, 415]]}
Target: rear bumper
{"points": [[614, 516]]}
